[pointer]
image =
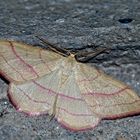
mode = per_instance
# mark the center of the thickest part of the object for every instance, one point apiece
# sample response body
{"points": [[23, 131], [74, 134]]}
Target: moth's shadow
{"points": [[5, 80]]}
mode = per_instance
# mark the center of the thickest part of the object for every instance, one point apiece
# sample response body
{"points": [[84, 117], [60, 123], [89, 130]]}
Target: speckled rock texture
{"points": [[75, 24]]}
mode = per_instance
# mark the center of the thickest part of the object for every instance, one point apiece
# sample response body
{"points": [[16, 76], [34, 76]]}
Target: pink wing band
{"points": [[22, 61], [12, 67], [51, 92]]}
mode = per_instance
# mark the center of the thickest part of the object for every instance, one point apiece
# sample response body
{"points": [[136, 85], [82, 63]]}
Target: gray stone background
{"points": [[74, 24]]}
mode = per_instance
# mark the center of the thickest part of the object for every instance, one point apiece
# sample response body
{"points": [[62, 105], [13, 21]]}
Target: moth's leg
{"points": [[52, 115]]}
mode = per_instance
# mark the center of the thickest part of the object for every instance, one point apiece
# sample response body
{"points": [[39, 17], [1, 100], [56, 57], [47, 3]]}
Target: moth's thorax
{"points": [[69, 64]]}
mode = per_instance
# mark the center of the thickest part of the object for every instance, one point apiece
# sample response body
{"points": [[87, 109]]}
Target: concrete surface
{"points": [[74, 24]]}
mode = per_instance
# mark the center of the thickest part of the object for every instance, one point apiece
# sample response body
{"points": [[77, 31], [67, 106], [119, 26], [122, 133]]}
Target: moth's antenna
{"points": [[88, 55], [54, 48]]}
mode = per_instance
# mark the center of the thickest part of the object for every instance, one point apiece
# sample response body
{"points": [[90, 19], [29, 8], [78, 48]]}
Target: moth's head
{"points": [[72, 55]]}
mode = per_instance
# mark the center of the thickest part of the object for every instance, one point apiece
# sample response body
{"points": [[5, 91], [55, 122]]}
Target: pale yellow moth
{"points": [[77, 94]]}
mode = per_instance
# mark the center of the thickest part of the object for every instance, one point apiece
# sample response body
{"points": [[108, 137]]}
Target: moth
{"points": [[52, 82]]}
